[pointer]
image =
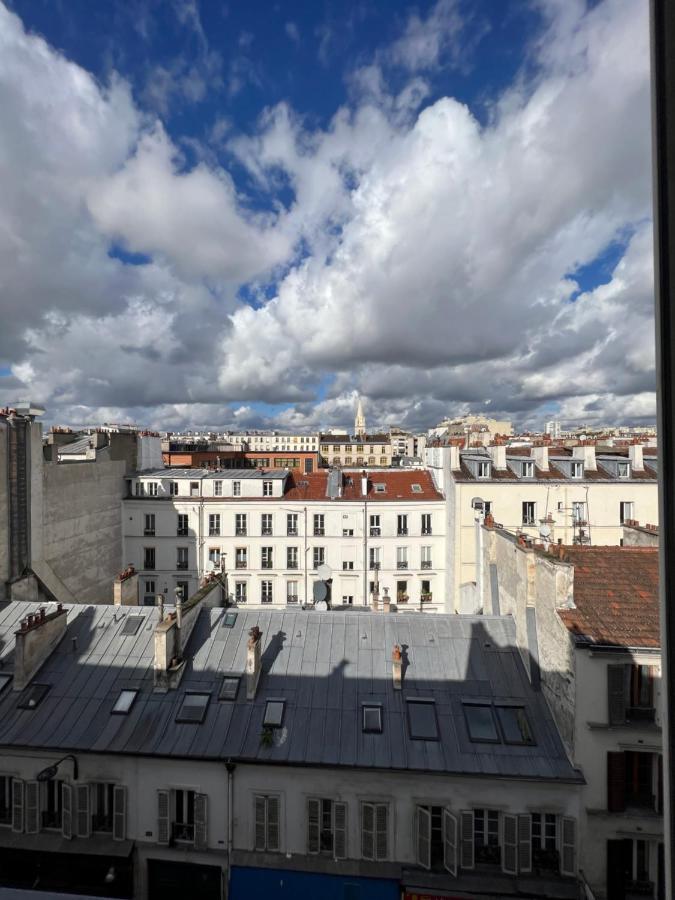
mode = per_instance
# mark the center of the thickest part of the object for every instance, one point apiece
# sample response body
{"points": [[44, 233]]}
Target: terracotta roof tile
{"points": [[398, 486]]}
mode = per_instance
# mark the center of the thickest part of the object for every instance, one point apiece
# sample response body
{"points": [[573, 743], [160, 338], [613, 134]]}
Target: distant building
{"points": [[554, 429], [360, 421], [373, 450]]}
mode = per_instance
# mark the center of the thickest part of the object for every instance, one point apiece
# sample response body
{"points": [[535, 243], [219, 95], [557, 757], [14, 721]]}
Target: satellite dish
{"points": [[321, 606], [545, 531], [324, 571], [320, 591], [210, 566], [477, 503]]}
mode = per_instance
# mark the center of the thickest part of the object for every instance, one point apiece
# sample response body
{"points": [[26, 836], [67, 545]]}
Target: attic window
{"points": [[131, 626], [483, 470], [380, 488], [124, 702], [481, 723], [229, 688], [577, 470], [229, 619], [372, 719], [193, 708], [623, 470], [416, 488], [527, 470], [33, 695], [422, 720], [274, 713], [514, 725]]}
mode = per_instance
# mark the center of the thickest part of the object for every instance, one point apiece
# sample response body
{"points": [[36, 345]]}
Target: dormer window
{"points": [[623, 470], [527, 470], [483, 470], [577, 470]]}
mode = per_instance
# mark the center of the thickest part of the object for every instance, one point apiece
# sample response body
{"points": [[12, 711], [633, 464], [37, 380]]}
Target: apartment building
{"points": [[275, 753], [288, 539], [371, 451], [269, 441], [587, 623], [572, 494]]}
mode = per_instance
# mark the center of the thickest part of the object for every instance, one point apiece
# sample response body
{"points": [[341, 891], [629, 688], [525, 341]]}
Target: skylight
{"points": [[193, 708], [422, 720], [229, 688], [33, 696], [372, 718], [514, 725], [274, 713], [416, 488], [131, 625], [229, 619], [125, 701], [380, 488], [481, 723]]}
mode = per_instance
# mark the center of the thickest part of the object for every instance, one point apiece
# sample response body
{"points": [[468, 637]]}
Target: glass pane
{"points": [[514, 725], [274, 713], [481, 723], [124, 702], [422, 720]]}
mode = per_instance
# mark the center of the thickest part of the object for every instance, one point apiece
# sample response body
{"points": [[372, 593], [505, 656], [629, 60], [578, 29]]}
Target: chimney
{"points": [[364, 483], [455, 462], [253, 662], [125, 588], [585, 451], [498, 454], [38, 635], [636, 458], [396, 666], [540, 456]]}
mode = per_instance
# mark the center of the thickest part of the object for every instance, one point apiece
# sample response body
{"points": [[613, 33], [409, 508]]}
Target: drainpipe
{"points": [[365, 551], [306, 550], [230, 766]]}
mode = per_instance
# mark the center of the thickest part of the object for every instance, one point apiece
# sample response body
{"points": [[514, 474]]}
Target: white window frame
{"points": [[240, 591], [236, 488], [266, 822], [217, 488], [483, 469], [268, 488], [266, 591], [374, 831]]}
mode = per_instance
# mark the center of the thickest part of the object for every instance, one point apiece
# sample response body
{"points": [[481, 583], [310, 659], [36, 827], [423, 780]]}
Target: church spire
{"points": [[359, 421]]}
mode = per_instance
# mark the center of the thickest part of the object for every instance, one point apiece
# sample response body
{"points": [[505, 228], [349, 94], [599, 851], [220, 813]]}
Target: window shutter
{"points": [[659, 784], [260, 823], [381, 830], [616, 782], [66, 811], [31, 807], [449, 842], [616, 694], [525, 843], [82, 810], [17, 805], [340, 830], [119, 812], [466, 822], [201, 821], [423, 828], [273, 823], [568, 857], [312, 826], [368, 831], [510, 858], [163, 817]]}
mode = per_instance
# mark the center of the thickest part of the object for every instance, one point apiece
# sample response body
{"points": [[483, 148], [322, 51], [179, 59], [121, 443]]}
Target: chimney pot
{"points": [[396, 666], [253, 662]]}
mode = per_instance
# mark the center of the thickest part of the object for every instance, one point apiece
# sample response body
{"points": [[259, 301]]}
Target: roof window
{"points": [[274, 713], [372, 718], [483, 470], [229, 687], [480, 721], [33, 696], [514, 725], [416, 488], [131, 625], [125, 701], [193, 708], [229, 619], [380, 488], [527, 469], [422, 722]]}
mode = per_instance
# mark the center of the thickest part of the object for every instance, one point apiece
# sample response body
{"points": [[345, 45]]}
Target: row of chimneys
{"points": [[583, 452], [635, 523]]}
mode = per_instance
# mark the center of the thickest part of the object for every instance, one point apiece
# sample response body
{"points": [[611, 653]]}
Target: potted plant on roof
{"points": [[267, 736], [401, 597]]}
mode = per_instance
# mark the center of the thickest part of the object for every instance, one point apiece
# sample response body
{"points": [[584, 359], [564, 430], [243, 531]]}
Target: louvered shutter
{"points": [[32, 807], [616, 694], [273, 824], [616, 782], [368, 831], [66, 811], [449, 842], [525, 843], [260, 823], [313, 826], [163, 833], [119, 812], [510, 857], [340, 830], [17, 804], [83, 810], [466, 823], [381, 831], [423, 830], [201, 821], [568, 856]]}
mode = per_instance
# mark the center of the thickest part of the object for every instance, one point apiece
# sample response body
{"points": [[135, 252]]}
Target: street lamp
{"points": [[51, 771]]}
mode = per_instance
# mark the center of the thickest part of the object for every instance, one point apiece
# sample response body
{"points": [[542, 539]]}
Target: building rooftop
{"points": [[556, 471], [323, 666], [220, 474], [383, 485]]}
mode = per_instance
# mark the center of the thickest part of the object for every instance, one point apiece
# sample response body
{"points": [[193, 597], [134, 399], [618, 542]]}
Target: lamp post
{"points": [[50, 771]]}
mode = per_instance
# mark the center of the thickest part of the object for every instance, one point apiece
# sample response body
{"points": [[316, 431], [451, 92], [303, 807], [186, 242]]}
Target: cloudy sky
{"points": [[237, 214]]}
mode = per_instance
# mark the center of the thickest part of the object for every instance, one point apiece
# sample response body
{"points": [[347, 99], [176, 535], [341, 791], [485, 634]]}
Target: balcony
{"points": [[267, 530], [182, 832], [149, 564], [426, 597], [181, 565], [427, 530], [402, 564], [240, 564], [292, 564], [375, 531], [426, 564], [319, 532], [266, 564], [292, 532], [148, 532], [214, 532], [291, 598], [402, 532], [182, 532], [265, 599], [240, 531]]}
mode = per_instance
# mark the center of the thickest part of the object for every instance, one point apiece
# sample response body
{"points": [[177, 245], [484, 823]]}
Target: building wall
{"points": [[356, 454], [637, 536], [4, 510]]}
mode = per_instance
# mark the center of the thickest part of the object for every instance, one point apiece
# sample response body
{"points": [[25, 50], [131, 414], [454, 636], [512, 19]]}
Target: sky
{"points": [[245, 215]]}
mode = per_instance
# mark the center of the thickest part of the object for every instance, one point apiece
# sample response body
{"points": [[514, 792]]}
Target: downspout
{"points": [[230, 766], [365, 550], [306, 550]]}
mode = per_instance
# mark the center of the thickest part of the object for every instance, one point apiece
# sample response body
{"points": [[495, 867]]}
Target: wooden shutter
{"points": [[82, 810], [201, 821], [273, 823], [568, 844], [66, 811], [510, 857], [163, 830], [340, 830], [17, 804], [119, 812], [259, 808], [525, 843], [313, 811], [32, 807], [423, 834], [616, 694], [466, 823], [449, 842], [616, 782], [381, 831], [367, 831]]}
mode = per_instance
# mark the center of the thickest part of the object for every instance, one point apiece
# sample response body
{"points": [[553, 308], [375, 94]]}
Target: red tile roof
{"points": [[398, 486], [616, 593]]}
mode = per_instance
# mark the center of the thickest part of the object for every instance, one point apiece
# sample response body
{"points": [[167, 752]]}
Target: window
{"points": [[214, 556], [401, 591], [229, 688], [514, 725], [327, 827], [51, 803], [480, 722], [380, 487], [371, 460], [131, 625], [148, 557], [236, 488], [140, 489], [577, 470], [318, 556], [348, 460], [266, 815], [527, 470], [359, 448], [528, 512], [181, 557], [124, 701], [401, 557], [193, 708], [214, 525], [266, 524], [373, 557], [374, 830], [347, 532], [149, 527], [240, 591], [402, 525], [182, 525], [416, 488], [426, 523], [149, 593], [102, 806], [623, 470], [291, 557], [291, 592], [173, 488], [486, 836], [347, 564], [375, 529], [152, 488], [578, 511], [425, 592], [426, 558], [229, 619], [436, 838], [625, 511], [240, 557], [265, 591], [194, 488], [483, 470], [545, 841], [372, 718], [240, 524], [5, 799], [265, 557], [267, 488], [274, 713], [383, 460], [634, 780], [217, 488], [422, 723], [183, 825], [319, 524], [359, 460], [292, 524]]}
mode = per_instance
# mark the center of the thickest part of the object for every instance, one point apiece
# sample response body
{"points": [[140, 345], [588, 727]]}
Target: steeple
{"points": [[359, 421]]}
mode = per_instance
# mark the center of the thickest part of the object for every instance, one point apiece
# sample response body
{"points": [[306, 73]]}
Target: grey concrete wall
{"points": [[4, 511], [639, 537]]}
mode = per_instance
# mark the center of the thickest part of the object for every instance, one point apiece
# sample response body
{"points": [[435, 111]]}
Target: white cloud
{"points": [[292, 31], [425, 42]]}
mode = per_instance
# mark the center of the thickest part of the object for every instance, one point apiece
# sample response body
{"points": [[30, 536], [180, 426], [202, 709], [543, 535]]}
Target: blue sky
{"points": [[245, 214]]}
